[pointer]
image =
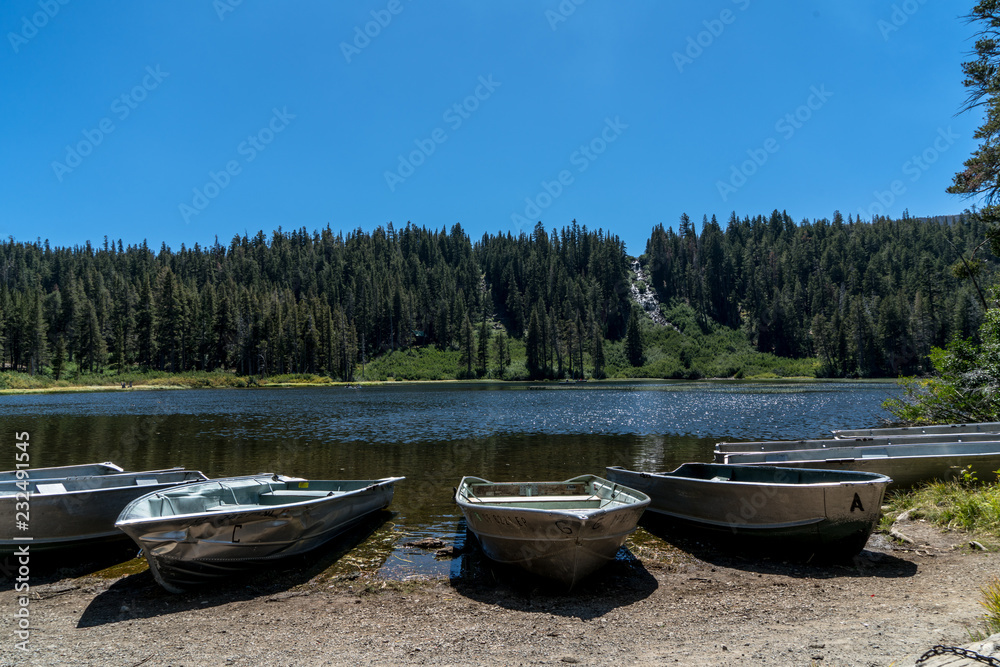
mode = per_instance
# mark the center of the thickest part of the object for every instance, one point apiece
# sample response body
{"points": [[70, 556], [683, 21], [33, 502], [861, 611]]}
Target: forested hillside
{"points": [[866, 298]]}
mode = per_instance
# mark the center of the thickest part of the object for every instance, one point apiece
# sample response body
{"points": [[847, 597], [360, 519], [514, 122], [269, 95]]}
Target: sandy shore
{"points": [[692, 605]]}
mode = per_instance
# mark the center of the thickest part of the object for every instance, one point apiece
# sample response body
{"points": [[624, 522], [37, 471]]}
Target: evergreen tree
{"points": [[59, 357], [467, 347], [172, 321], [93, 351], [598, 353], [36, 336], [145, 325], [633, 339], [533, 347], [502, 353], [483, 346], [981, 176], [346, 345]]}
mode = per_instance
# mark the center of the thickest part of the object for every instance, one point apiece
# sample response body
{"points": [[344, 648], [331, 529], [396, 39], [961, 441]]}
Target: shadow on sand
{"points": [[139, 596], [724, 550], [621, 582], [47, 567]]}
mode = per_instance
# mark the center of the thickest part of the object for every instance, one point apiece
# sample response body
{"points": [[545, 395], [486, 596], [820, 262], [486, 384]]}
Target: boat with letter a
{"points": [[780, 509]]}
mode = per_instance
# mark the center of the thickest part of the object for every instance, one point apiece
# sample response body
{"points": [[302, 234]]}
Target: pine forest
{"points": [[755, 296]]}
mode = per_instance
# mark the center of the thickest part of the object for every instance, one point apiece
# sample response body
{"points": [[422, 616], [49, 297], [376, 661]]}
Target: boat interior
{"points": [[61, 471], [237, 494], [767, 475], [937, 429], [851, 453], [64, 485], [594, 493], [860, 441]]}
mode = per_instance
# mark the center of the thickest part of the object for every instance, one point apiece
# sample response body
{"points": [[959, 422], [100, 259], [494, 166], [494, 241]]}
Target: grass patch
{"points": [[418, 363], [296, 378], [194, 380], [991, 603], [962, 504], [692, 349], [13, 382]]}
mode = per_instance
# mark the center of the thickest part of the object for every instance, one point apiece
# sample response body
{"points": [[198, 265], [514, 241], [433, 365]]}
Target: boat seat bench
{"points": [[488, 500], [55, 487], [196, 505], [285, 496]]}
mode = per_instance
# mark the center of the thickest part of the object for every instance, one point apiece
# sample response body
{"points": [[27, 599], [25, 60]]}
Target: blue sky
{"points": [[179, 122]]}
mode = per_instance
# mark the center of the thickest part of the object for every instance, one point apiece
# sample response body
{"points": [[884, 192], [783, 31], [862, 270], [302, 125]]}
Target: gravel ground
{"points": [[693, 605]]}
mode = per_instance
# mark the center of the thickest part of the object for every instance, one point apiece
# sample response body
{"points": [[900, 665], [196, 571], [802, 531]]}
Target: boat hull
{"points": [[72, 511], [771, 509], [936, 429], [563, 544], [907, 465], [838, 444], [188, 550]]}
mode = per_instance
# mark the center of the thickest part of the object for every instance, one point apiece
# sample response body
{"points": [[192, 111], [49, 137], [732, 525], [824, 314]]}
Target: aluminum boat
{"points": [[222, 527], [52, 511], [936, 429], [85, 469], [907, 465], [723, 448], [559, 530], [819, 511]]}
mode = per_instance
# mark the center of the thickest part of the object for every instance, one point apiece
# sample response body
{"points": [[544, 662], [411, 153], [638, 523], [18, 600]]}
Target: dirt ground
{"points": [[687, 603]]}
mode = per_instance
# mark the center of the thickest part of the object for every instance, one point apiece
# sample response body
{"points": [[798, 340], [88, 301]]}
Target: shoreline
{"points": [[92, 388], [679, 602]]}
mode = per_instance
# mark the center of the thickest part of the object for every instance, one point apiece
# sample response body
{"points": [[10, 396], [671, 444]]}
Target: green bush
{"points": [[420, 363], [11, 380]]}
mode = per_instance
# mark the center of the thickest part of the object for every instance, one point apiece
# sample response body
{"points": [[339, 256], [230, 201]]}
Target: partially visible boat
{"points": [[723, 448], [81, 470], [937, 429], [907, 465], [206, 531], [769, 508], [53, 510], [560, 530]]}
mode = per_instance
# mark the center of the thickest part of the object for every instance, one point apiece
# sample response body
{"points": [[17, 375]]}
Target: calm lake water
{"points": [[432, 434]]}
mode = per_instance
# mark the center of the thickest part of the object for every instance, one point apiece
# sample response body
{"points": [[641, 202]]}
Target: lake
{"points": [[432, 434]]}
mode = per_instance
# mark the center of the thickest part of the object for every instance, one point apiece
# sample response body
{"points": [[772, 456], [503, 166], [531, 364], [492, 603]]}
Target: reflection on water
{"points": [[432, 434]]}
